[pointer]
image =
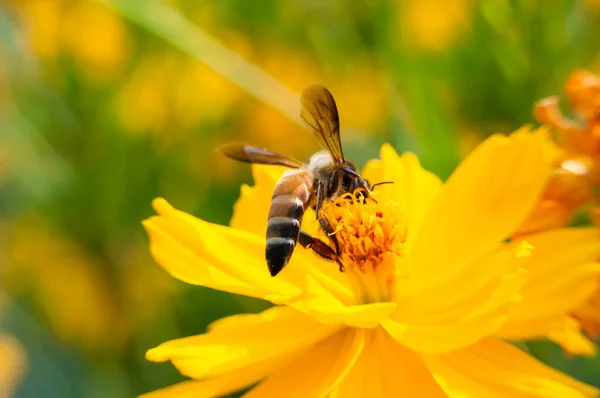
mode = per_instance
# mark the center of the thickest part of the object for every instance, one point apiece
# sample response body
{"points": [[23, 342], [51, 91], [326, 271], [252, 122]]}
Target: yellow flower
{"points": [[429, 286]]}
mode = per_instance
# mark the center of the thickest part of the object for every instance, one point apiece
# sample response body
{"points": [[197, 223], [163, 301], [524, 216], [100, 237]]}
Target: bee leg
{"points": [[328, 229], [319, 247], [320, 197]]}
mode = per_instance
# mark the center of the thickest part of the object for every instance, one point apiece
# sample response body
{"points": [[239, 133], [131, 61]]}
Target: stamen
{"points": [[370, 235]]}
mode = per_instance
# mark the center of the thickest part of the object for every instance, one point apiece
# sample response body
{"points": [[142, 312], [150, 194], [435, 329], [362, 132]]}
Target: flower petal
{"points": [[186, 389], [211, 255], [443, 317], [232, 260], [571, 339], [413, 188], [484, 200], [588, 315], [323, 306], [493, 368], [563, 274], [266, 340], [217, 387], [387, 369], [317, 372]]}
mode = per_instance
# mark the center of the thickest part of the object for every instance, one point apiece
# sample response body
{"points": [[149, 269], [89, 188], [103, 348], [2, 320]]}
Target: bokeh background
{"points": [[105, 105]]}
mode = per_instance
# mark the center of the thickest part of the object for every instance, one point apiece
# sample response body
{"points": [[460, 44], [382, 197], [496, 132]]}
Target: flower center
{"points": [[370, 236]]}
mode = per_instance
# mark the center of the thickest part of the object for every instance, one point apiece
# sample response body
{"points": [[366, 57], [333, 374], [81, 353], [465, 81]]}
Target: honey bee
{"points": [[327, 176]]}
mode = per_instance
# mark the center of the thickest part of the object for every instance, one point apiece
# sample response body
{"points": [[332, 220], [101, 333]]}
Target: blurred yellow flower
{"points": [[166, 89], [427, 286], [93, 34], [594, 5], [143, 307], [42, 19], [96, 37], [469, 138], [68, 285], [365, 98], [267, 125], [142, 104], [432, 24], [366, 93], [200, 93]]}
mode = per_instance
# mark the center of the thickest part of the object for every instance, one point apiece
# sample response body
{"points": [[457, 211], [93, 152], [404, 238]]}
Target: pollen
{"points": [[370, 237]]}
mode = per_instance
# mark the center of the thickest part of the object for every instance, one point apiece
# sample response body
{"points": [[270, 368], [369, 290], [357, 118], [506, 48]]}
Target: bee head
{"points": [[352, 180]]}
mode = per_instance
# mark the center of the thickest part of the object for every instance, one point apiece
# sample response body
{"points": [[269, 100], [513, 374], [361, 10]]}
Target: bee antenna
{"points": [[380, 183]]}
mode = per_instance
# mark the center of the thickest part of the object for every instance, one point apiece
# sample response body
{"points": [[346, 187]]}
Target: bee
{"points": [[327, 176]]}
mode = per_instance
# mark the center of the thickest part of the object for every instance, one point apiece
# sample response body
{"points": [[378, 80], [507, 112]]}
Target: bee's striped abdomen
{"points": [[290, 197]]}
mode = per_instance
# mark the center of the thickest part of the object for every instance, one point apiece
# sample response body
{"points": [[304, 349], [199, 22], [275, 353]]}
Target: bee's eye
{"points": [[357, 183]]}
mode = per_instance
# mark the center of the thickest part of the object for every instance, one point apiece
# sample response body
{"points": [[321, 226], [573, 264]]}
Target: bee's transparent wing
{"points": [[319, 113], [249, 154]]}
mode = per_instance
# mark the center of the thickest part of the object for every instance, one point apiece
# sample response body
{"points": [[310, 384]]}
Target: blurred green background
{"points": [[105, 105]]}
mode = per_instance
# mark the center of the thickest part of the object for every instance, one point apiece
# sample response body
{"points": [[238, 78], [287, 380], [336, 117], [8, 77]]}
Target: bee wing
{"points": [[320, 115], [250, 154]]}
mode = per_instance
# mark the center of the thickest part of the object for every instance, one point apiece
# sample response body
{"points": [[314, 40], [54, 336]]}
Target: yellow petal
{"points": [[187, 389], [308, 267], [323, 306], [562, 275], [211, 255], [386, 369], [462, 308], [484, 200], [267, 340], [413, 188], [317, 372], [232, 260], [588, 315], [572, 339], [493, 368], [217, 387]]}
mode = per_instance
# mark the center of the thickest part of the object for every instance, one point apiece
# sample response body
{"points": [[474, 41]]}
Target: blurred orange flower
{"points": [[576, 177]]}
